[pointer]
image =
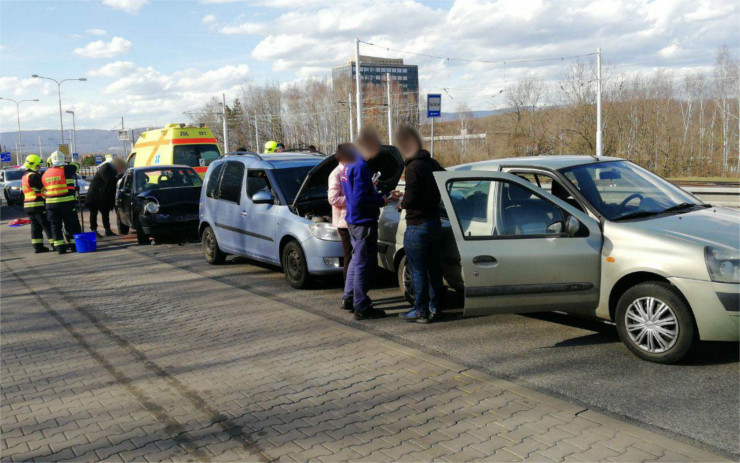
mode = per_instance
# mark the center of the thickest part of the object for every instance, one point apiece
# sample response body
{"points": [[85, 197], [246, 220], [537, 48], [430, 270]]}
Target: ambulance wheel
{"points": [[214, 255], [294, 265], [141, 237], [122, 229]]}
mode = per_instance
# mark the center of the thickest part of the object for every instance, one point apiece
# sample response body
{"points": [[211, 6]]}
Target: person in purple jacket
{"points": [[363, 203]]}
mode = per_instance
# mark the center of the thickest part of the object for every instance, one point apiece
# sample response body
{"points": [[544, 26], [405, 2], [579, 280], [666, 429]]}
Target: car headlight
{"points": [[151, 207], [15, 188], [723, 265], [324, 231]]}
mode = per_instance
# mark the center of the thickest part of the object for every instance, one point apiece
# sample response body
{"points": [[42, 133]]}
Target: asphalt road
{"points": [[581, 361]]}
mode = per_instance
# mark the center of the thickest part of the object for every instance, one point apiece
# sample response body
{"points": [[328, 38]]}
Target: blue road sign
{"points": [[5, 157], [75, 156], [98, 159], [434, 104]]}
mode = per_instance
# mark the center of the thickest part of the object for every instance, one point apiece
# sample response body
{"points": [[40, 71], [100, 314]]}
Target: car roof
{"points": [[159, 167], [277, 160], [554, 162]]}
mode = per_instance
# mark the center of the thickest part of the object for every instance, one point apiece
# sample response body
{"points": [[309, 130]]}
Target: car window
{"points": [[131, 160], [213, 180], [231, 182], [128, 181], [161, 179], [552, 186], [500, 209], [195, 155], [257, 181], [11, 175]]}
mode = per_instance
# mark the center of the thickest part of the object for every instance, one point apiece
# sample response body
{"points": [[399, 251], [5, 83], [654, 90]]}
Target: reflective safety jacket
{"points": [[32, 188], [59, 183]]}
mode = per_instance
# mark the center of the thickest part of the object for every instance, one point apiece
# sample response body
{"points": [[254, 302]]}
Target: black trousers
{"points": [[104, 215], [39, 226], [63, 214], [346, 248]]}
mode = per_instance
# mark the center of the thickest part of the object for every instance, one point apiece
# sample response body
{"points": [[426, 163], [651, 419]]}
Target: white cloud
{"points": [[209, 19], [101, 49], [129, 6], [115, 69], [96, 32]]}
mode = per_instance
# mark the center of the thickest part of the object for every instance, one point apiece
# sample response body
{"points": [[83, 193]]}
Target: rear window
{"points": [[195, 155], [11, 175]]}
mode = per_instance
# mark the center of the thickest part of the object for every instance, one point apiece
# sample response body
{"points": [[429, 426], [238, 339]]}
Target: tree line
{"points": [[674, 125]]}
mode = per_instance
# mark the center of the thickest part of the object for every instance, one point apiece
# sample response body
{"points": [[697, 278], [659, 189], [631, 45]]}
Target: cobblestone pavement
{"points": [[118, 356]]}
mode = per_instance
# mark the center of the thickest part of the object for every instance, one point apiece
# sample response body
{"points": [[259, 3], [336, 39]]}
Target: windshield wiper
{"points": [[638, 214], [682, 206]]}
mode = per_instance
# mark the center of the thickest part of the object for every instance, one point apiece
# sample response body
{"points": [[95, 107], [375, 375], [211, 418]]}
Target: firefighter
{"points": [[270, 146], [59, 182], [34, 205]]}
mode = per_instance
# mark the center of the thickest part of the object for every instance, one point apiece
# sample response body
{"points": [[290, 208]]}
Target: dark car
{"points": [[10, 179], [158, 201]]}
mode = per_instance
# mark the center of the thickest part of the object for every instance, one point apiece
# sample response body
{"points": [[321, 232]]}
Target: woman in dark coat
{"points": [[101, 195]]}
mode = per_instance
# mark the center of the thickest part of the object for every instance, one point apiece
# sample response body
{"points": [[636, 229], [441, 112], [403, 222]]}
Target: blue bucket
{"points": [[86, 242]]}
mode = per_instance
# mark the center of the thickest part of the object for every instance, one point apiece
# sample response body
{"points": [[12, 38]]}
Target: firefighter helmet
{"points": [[33, 162]]}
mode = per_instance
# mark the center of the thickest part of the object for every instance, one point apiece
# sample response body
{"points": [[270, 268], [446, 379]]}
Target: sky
{"points": [[151, 60]]}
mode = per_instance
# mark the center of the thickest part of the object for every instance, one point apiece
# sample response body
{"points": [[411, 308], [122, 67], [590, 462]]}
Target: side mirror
{"points": [[263, 197], [572, 226], [555, 228]]}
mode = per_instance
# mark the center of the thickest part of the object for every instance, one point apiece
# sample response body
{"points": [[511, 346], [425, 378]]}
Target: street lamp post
{"points": [[74, 132], [59, 93], [19, 150]]}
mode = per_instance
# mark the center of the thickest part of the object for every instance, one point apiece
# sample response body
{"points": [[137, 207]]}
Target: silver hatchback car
{"points": [[600, 237]]}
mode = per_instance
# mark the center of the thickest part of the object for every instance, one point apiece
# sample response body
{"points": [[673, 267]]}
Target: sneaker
{"points": [[370, 314], [40, 250], [348, 305], [109, 232], [413, 315]]}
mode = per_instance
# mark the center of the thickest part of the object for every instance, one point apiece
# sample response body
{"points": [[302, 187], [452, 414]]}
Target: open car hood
{"points": [[388, 162]]}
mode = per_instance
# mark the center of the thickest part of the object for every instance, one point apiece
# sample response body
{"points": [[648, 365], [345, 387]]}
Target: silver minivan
{"points": [[600, 237]]}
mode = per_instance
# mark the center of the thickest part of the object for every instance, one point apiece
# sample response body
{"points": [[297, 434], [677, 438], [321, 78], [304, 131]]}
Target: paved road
{"points": [[580, 361]]}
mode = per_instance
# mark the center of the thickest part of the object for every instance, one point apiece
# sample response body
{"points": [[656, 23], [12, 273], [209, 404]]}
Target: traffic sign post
{"points": [[64, 149], [75, 157], [434, 110], [5, 157]]}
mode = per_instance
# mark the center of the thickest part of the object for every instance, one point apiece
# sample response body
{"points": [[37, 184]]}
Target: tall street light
{"points": [[59, 91], [74, 132], [19, 150]]}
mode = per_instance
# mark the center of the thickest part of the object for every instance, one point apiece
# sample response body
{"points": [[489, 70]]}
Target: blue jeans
{"points": [[423, 245], [364, 259]]}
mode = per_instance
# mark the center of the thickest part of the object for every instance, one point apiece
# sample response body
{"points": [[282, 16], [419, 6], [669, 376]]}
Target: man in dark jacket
{"points": [[101, 195], [363, 203], [423, 238]]}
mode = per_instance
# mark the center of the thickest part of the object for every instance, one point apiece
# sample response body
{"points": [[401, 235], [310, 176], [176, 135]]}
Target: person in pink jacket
{"points": [[345, 155]]}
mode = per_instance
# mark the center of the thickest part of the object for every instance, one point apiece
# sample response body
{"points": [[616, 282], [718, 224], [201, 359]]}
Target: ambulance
{"points": [[177, 144]]}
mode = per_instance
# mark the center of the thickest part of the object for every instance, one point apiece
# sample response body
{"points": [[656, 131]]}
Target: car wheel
{"points": [[122, 229], [294, 265], [656, 323], [214, 255], [141, 237], [405, 283]]}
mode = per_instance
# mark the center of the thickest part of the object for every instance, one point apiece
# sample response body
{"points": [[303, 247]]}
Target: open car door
{"points": [[521, 249]]}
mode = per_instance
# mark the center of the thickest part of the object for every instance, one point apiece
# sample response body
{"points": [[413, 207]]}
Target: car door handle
{"points": [[484, 260], [244, 213]]}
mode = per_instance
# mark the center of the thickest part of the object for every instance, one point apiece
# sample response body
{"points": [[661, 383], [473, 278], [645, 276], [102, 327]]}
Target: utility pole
{"points": [[358, 84], [390, 107], [19, 148], [74, 132], [599, 134], [41, 155], [431, 140], [256, 136], [351, 131], [226, 126], [125, 146]]}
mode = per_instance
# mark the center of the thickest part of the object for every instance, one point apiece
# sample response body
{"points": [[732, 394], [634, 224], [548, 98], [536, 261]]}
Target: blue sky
{"points": [[150, 60]]}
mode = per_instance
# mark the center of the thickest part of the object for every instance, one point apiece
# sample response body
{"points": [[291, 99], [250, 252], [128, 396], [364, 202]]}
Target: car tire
{"points": [[295, 266], [141, 237], [213, 254], [661, 328], [122, 229], [403, 273]]}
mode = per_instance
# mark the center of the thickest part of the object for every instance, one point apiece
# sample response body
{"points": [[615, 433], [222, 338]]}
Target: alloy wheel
{"points": [[651, 324]]}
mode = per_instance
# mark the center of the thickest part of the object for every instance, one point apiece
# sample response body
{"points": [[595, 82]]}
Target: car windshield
{"points": [[11, 175], [620, 190], [166, 178], [290, 180]]}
